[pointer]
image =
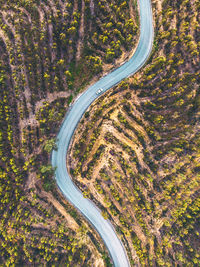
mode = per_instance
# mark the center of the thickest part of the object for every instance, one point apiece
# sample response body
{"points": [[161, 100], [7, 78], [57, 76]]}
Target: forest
{"points": [[46, 50], [141, 161]]}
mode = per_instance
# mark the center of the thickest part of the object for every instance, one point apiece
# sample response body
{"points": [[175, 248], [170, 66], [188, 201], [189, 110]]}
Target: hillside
{"points": [[49, 51], [136, 152]]}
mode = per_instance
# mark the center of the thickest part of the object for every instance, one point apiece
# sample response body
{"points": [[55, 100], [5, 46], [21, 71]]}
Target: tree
{"points": [[50, 145]]}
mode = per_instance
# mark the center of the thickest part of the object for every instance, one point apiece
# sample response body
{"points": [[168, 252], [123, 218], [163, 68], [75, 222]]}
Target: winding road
{"points": [[73, 116]]}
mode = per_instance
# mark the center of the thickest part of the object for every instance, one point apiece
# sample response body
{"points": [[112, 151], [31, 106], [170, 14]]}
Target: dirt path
{"points": [[70, 221], [81, 32]]}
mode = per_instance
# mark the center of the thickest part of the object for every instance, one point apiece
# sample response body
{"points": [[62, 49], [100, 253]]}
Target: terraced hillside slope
{"points": [[136, 152], [49, 50]]}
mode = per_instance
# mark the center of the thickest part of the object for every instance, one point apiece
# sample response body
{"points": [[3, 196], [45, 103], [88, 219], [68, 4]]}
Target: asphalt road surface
{"points": [[73, 116]]}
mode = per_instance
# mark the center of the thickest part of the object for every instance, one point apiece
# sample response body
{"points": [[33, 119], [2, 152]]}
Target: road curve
{"points": [[73, 116]]}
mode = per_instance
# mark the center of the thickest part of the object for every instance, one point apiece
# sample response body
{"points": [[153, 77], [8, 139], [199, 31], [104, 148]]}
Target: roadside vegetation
{"points": [[136, 152], [50, 50]]}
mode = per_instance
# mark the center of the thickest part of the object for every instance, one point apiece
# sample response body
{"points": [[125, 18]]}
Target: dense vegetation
{"points": [[49, 50], [141, 160]]}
